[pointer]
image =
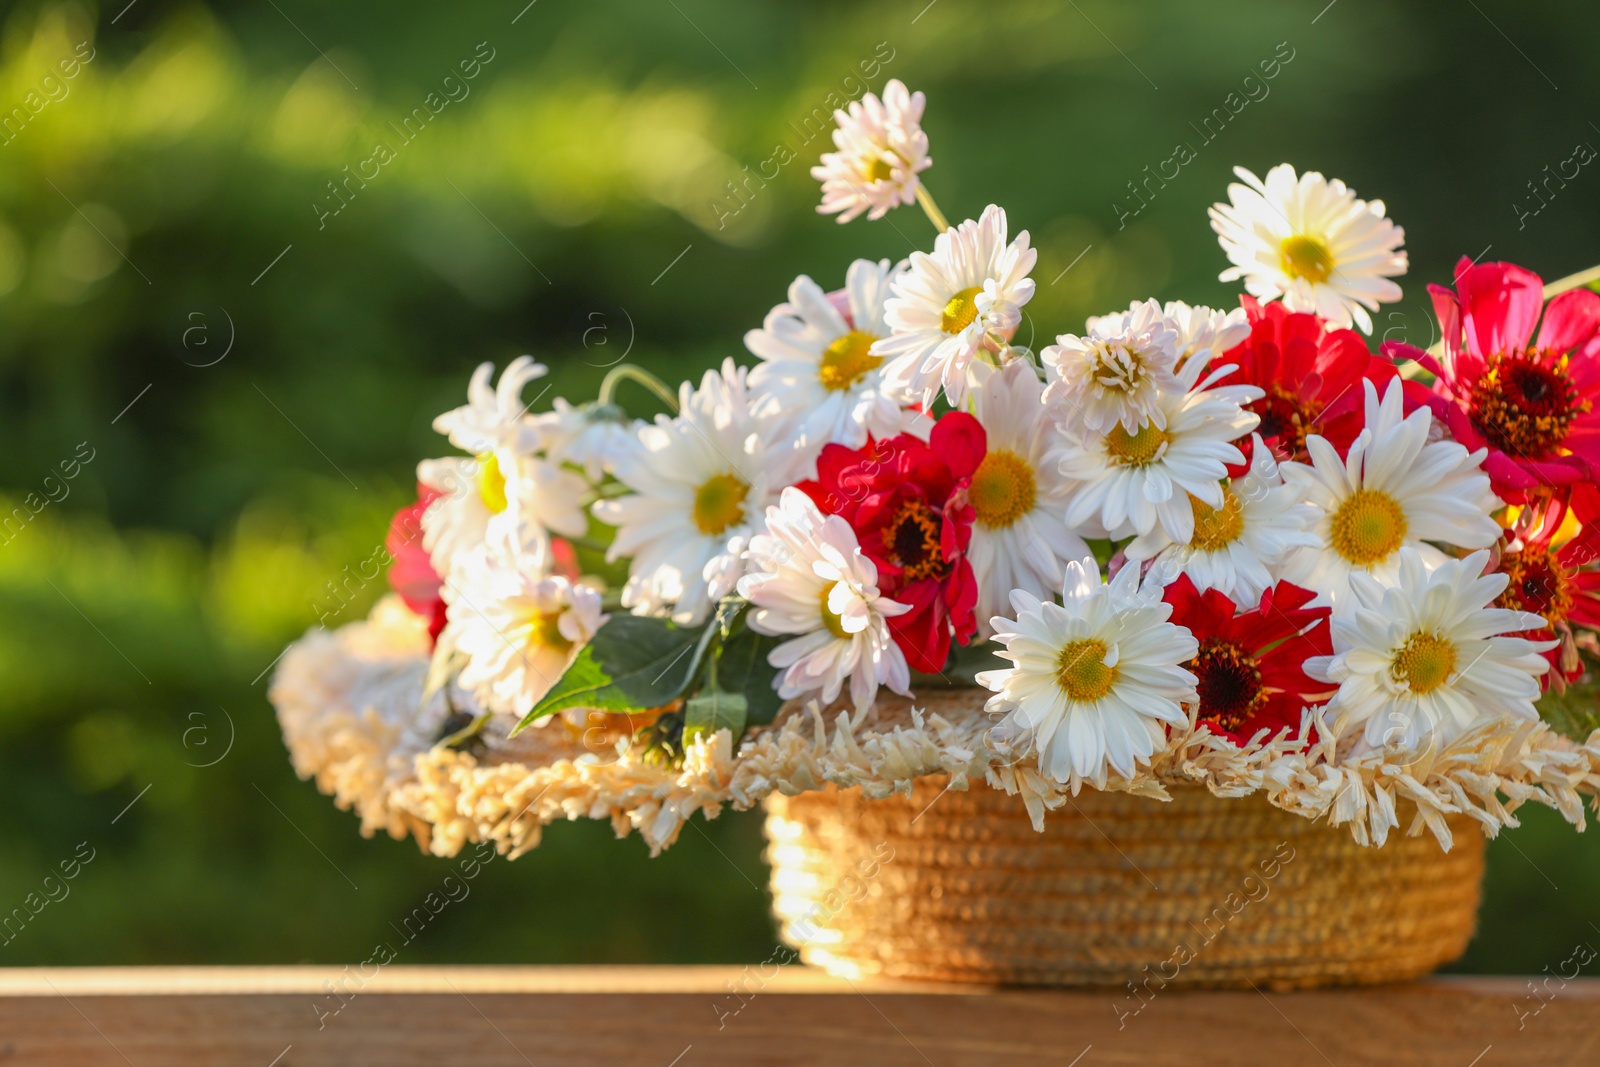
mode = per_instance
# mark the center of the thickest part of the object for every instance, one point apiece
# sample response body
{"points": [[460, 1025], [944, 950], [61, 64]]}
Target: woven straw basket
{"points": [[958, 886]]}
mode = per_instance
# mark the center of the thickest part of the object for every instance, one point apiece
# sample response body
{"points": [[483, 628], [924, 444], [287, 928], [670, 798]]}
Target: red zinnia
{"points": [[906, 500], [1529, 401], [1547, 578], [1311, 374], [411, 574], [1251, 666]]}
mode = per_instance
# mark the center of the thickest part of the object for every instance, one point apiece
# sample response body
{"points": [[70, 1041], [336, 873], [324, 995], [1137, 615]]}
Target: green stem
{"points": [[1571, 281], [935, 216], [632, 372]]}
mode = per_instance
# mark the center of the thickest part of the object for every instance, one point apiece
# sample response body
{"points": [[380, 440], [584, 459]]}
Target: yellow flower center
{"points": [[1081, 670], [1305, 257], [491, 482], [1368, 527], [833, 622], [847, 360], [544, 631], [960, 310], [1424, 662], [879, 171], [1135, 449], [719, 503], [1217, 528], [1003, 489]]}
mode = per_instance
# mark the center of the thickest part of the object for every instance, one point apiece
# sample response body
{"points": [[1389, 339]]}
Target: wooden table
{"points": [[396, 1016]]}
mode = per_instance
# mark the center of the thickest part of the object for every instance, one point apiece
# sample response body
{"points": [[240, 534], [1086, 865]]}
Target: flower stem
{"points": [[935, 216], [632, 372], [1571, 281]]}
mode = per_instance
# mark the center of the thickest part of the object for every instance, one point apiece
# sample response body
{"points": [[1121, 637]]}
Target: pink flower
{"points": [[1528, 400]]}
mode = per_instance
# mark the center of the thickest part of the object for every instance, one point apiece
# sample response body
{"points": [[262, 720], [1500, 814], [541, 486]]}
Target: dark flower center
{"points": [[1537, 584], [911, 541], [1229, 683], [1522, 405], [1288, 418]]}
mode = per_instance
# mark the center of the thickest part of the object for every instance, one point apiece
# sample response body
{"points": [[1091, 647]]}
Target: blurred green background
{"points": [[254, 376]]}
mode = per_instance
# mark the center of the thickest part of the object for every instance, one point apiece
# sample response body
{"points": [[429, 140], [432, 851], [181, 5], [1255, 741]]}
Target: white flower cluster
{"points": [[820, 488], [488, 534]]}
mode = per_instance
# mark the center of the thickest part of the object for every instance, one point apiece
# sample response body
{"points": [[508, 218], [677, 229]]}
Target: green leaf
{"points": [[738, 692], [1575, 713], [633, 662]]}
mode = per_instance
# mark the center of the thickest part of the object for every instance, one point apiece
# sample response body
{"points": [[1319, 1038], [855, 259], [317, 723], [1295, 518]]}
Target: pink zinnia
{"points": [[1528, 400]]}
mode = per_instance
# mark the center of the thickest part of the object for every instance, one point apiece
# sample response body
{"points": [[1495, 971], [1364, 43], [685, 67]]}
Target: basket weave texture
{"points": [[1200, 891]]}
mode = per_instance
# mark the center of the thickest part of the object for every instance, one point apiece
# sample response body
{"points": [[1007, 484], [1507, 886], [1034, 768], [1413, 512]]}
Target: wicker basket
{"points": [[1203, 891]]}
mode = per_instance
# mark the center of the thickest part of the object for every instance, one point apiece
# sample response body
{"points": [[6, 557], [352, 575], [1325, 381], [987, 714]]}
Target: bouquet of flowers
{"points": [[1235, 547]]}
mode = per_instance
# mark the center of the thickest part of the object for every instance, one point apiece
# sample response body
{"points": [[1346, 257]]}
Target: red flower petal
{"points": [[1500, 305], [1571, 319], [959, 440]]}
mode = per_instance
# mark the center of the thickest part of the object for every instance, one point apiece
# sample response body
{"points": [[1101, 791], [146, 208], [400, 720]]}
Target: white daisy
{"points": [[818, 379], [590, 436], [504, 491], [518, 628], [881, 150], [1238, 547], [1127, 483], [1093, 681], [495, 418], [1312, 242], [1202, 330], [1020, 536], [965, 296], [1395, 489], [808, 576], [1115, 373], [1424, 659], [700, 482]]}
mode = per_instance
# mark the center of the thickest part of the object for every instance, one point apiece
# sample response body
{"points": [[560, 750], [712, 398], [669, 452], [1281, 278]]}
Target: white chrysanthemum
{"points": [[1203, 330], [700, 484], [1238, 547], [495, 418], [518, 628], [808, 576], [1312, 242], [1094, 681], [590, 436], [1020, 536], [818, 379], [949, 304], [1395, 489], [1127, 483], [503, 491], [1115, 373], [1425, 659], [881, 150]]}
